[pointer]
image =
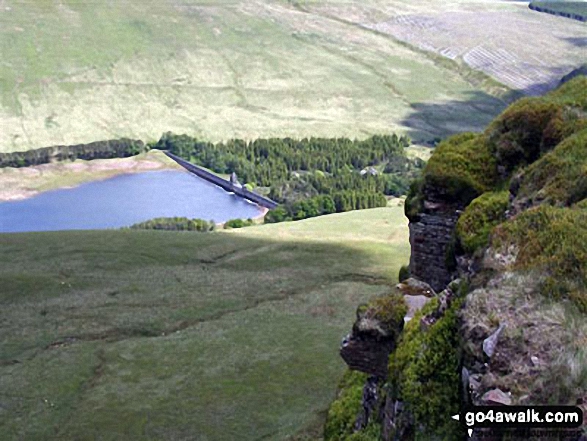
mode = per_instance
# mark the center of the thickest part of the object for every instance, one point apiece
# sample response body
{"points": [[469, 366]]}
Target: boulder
{"points": [[496, 397]]}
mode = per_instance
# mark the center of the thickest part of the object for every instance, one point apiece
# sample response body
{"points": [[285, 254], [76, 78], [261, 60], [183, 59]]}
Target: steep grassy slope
{"points": [[160, 335], [76, 72]]}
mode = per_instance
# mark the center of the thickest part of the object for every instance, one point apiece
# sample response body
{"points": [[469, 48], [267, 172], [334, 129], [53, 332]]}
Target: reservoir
{"points": [[122, 201]]}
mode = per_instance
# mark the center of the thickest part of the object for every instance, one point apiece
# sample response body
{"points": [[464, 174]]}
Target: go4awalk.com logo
{"points": [[520, 417]]}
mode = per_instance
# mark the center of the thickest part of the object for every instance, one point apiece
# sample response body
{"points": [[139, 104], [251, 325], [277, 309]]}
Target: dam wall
{"points": [[223, 183]]}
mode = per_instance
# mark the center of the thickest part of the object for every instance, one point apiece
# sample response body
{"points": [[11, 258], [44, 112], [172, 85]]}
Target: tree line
{"points": [[308, 177], [114, 148]]}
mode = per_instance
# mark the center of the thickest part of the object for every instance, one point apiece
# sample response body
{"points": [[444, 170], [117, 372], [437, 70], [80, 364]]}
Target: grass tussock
{"points": [[461, 168], [533, 368], [554, 240], [479, 218], [559, 177]]}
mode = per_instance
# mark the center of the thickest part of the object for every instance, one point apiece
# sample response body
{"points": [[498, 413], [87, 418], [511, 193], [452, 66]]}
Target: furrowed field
{"points": [[162, 335]]}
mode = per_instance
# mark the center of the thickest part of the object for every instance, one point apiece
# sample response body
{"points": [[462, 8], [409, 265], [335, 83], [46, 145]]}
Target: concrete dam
{"points": [[223, 183]]}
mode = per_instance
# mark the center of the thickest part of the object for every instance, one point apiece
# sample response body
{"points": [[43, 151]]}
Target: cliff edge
{"points": [[495, 304]]}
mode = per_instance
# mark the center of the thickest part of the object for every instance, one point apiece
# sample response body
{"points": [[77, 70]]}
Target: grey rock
{"points": [[490, 343], [497, 397], [369, 403]]}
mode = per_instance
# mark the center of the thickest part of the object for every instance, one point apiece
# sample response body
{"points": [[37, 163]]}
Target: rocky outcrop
{"points": [[430, 239], [374, 335], [510, 331], [367, 352]]}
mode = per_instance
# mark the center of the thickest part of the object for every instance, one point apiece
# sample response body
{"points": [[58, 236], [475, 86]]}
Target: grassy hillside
{"points": [[76, 72], [162, 335]]}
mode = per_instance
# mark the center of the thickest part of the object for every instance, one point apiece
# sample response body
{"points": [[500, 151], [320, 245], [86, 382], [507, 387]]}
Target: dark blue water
{"points": [[122, 201]]}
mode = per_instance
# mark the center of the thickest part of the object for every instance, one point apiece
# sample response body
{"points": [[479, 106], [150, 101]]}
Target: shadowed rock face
{"points": [[373, 337], [367, 352], [430, 239]]}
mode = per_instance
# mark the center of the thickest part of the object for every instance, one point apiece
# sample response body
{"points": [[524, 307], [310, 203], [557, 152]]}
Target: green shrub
{"points": [[389, 310], [483, 213], [238, 223], [461, 168], [176, 224], [344, 410], [423, 371], [572, 93], [524, 131], [370, 433], [415, 200], [404, 273], [560, 176], [553, 241]]}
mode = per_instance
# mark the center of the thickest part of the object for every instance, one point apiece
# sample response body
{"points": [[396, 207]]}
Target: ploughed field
{"points": [[75, 72], [178, 335]]}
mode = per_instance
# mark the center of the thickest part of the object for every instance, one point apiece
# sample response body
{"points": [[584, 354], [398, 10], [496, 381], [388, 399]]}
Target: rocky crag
{"points": [[494, 309]]}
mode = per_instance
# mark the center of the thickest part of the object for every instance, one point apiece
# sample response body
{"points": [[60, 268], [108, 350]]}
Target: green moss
{"points": [[572, 93], [389, 309], [414, 201], [554, 241], [560, 176], [424, 371], [461, 168], [370, 433], [524, 130], [343, 411], [480, 217], [404, 273]]}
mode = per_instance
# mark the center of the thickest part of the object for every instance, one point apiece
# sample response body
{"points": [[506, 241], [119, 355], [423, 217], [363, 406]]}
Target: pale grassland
{"points": [[518, 47], [159, 335], [75, 72], [20, 183]]}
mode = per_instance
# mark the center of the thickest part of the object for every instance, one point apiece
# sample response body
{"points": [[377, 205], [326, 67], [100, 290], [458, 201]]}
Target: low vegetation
{"points": [[229, 335], [344, 409], [423, 371], [477, 221], [460, 169], [176, 224], [559, 177], [554, 241]]}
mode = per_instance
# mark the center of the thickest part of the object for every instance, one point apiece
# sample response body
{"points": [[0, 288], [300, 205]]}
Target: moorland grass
{"points": [[77, 72], [173, 335]]}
